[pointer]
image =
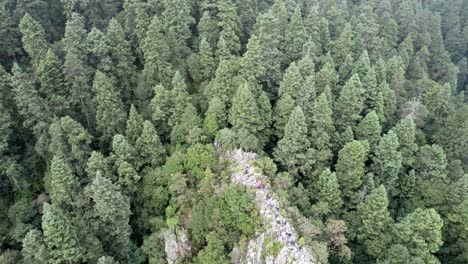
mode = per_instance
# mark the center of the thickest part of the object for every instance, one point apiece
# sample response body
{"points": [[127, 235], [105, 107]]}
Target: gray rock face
{"points": [[279, 230], [176, 246]]}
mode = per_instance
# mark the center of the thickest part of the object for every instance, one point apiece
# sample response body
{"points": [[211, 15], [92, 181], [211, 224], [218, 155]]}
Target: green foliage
{"points": [[322, 130], [22, 215], [156, 53], [110, 114], [29, 103], [213, 253], [61, 236], [329, 191], [34, 248], [64, 183], [112, 210], [349, 104], [291, 150], [149, 147], [244, 112], [369, 129], [350, 166], [237, 211], [376, 222], [49, 73], [431, 171], [70, 142], [215, 117], [199, 158], [420, 231], [295, 36], [120, 113], [229, 25], [34, 38], [134, 126], [77, 72], [387, 161]]}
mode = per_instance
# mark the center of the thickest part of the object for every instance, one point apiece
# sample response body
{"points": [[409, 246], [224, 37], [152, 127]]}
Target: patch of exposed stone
{"points": [[279, 230]]}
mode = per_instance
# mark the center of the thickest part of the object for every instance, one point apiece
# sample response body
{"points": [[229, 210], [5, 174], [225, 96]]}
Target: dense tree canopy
{"points": [[115, 117]]}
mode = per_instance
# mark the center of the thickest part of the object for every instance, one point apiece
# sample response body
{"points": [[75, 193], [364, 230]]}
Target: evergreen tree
{"points": [[113, 211], [30, 105], [389, 103], [208, 29], [324, 34], [64, 184], [389, 35], [343, 45], [179, 99], [76, 71], [106, 260], [5, 128], [451, 136], [125, 159], [244, 112], [70, 141], [247, 11], [49, 73], [306, 64], [321, 131], [406, 132], [229, 25], [374, 97], [177, 19], [187, 130], [215, 117], [223, 85], [123, 69], [350, 166], [34, 39], [265, 114], [98, 164], [61, 236], [327, 76], [134, 126], [213, 253], [431, 182], [160, 107], [252, 68], [271, 38], [362, 65], [329, 190], [110, 113], [206, 60], [387, 161], [34, 248], [369, 129], [283, 109], [99, 47], [295, 36], [312, 25], [292, 148], [345, 69], [157, 54], [149, 147], [376, 222], [292, 82], [421, 232], [349, 104], [10, 41]]}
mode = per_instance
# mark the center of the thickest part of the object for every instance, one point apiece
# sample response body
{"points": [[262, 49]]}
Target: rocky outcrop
{"points": [[279, 243], [177, 246]]}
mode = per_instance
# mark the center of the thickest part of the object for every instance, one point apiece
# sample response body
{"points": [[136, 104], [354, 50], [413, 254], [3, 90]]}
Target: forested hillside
{"points": [[110, 112]]}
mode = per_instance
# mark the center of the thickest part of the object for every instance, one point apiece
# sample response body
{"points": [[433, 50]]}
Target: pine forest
{"points": [[234, 131]]}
